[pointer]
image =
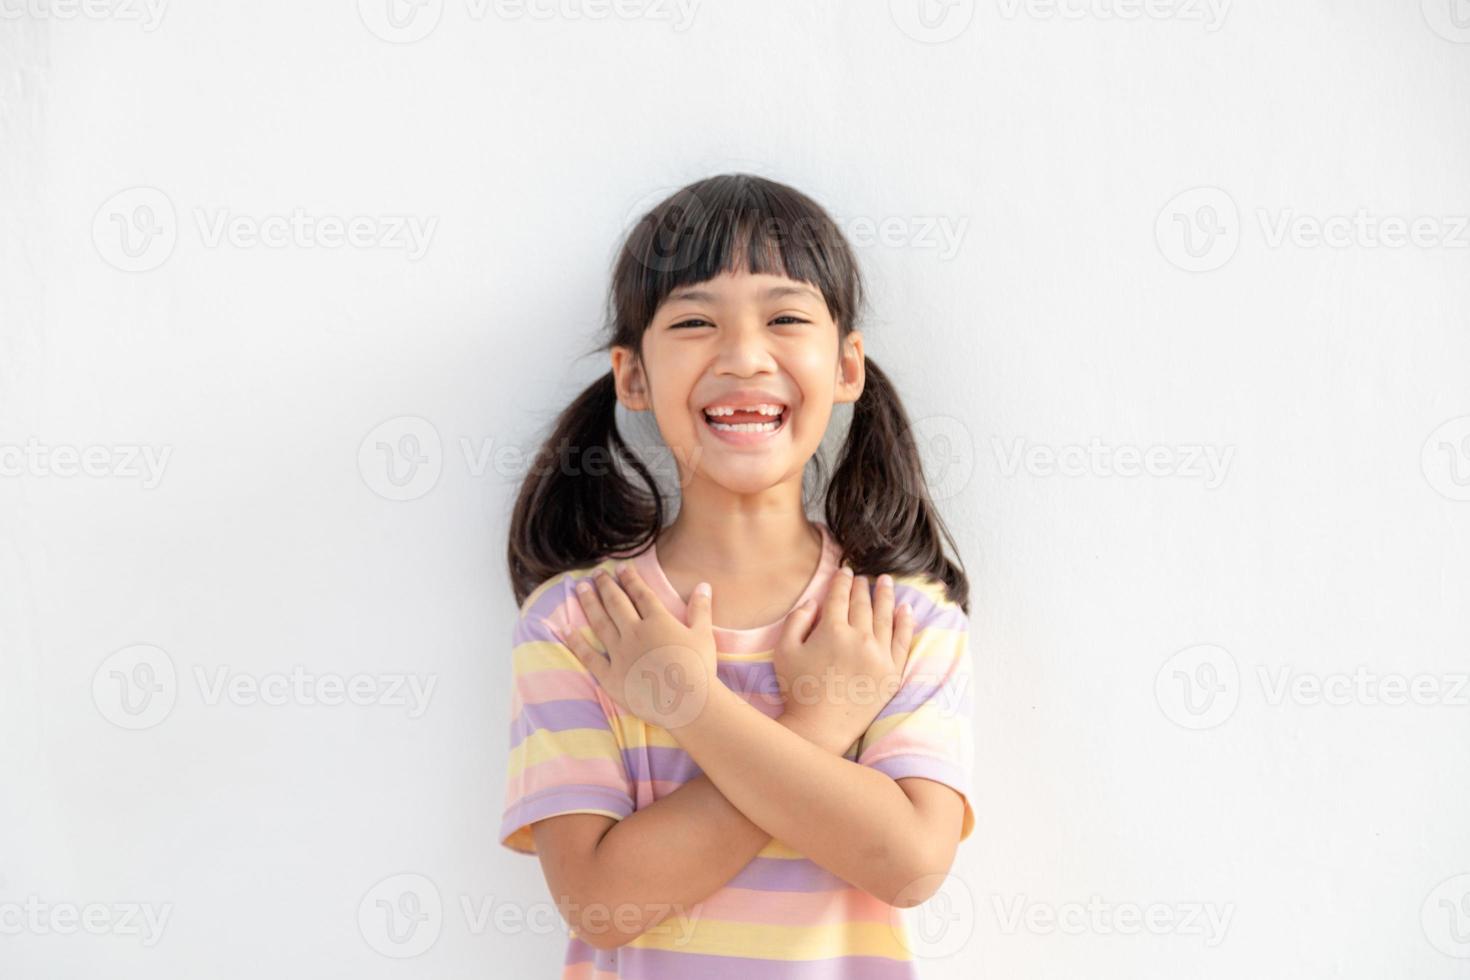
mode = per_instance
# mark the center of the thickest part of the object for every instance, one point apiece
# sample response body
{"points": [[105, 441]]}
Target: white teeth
{"points": [[763, 409], [746, 426]]}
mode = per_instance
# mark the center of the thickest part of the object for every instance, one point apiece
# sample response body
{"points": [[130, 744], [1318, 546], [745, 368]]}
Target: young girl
{"points": [[757, 798]]}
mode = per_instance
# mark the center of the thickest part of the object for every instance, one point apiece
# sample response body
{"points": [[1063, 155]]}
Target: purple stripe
{"points": [[952, 695], [928, 613], [529, 625], [563, 799], [557, 716], [638, 963], [786, 875], [648, 762], [750, 678]]}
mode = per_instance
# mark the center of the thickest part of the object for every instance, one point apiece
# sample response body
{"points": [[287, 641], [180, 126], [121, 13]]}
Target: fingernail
{"points": [[584, 587], [847, 570], [885, 579], [703, 588]]}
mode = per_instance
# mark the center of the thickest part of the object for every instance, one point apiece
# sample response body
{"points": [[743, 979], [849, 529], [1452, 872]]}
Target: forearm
{"points": [[848, 818], [659, 862]]}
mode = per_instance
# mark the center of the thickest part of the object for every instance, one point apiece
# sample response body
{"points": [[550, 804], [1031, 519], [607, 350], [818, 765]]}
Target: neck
{"points": [[748, 532]]}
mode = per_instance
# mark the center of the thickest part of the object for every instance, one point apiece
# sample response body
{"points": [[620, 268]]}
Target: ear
{"points": [[631, 381], [850, 369]]}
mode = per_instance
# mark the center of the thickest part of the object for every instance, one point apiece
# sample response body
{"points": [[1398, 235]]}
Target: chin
{"points": [[747, 481]]}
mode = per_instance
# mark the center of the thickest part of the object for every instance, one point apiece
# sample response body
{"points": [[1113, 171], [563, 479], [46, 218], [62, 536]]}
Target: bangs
{"points": [[735, 223]]}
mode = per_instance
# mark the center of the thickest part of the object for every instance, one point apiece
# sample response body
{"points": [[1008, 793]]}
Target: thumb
{"points": [[699, 608]]}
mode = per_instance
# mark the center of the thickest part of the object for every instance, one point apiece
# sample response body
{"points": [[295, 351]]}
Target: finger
{"points": [[883, 610], [591, 601], [837, 594], [619, 607], [595, 662], [644, 601], [860, 614], [794, 631], [699, 615], [903, 634]]}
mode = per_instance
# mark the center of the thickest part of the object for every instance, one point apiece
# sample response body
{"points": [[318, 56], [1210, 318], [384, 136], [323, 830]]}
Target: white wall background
{"points": [[1034, 290]]}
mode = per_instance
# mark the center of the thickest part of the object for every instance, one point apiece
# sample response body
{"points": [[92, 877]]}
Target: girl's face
{"points": [[741, 341]]}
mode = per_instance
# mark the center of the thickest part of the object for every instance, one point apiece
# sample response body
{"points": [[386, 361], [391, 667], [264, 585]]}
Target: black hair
{"points": [[877, 502]]}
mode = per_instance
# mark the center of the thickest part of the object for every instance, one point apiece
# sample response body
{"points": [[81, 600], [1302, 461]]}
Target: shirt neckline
{"points": [[753, 637]]}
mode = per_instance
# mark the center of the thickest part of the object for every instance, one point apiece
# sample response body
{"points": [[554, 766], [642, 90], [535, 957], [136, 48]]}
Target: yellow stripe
{"points": [[775, 942], [776, 849], [930, 587], [574, 743]]}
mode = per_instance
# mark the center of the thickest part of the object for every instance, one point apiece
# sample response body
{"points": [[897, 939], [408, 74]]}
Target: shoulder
{"points": [[553, 602], [932, 606]]}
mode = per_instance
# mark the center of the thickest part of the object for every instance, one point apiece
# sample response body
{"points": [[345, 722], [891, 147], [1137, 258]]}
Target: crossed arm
{"points": [[894, 839]]}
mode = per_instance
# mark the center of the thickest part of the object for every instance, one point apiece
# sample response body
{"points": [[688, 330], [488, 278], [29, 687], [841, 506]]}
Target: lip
{"points": [[746, 396]]}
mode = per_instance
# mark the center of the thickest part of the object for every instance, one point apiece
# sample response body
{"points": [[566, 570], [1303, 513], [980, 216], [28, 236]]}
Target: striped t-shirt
{"points": [[782, 917]]}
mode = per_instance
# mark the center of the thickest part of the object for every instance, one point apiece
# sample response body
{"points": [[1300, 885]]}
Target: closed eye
{"points": [[696, 322]]}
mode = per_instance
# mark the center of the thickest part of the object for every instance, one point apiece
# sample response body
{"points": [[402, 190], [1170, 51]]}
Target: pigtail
{"points": [[576, 505], [877, 502]]}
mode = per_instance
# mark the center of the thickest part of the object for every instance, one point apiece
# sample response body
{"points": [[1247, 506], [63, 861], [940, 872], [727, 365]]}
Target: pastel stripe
{"points": [[781, 917]]}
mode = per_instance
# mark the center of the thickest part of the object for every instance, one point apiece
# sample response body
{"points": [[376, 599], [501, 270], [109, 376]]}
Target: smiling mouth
{"points": [[769, 425], [747, 426]]}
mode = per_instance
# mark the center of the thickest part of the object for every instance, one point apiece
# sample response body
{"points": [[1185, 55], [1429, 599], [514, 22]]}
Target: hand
{"points": [[656, 667], [840, 676]]}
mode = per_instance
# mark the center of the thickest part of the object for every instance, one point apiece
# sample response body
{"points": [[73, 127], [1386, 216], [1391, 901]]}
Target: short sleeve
{"points": [[927, 728], [565, 749]]}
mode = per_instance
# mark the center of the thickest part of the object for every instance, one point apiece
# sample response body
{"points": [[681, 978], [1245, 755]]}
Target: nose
{"points": [[744, 348]]}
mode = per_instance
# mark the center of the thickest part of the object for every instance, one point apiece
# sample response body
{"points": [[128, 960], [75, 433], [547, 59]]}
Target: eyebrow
{"points": [[775, 292]]}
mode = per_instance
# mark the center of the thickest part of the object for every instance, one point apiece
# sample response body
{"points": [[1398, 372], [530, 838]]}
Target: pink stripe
{"points": [[905, 739], [566, 770], [555, 685]]}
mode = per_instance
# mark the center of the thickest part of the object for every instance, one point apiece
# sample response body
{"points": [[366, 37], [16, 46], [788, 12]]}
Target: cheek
{"points": [[815, 374]]}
